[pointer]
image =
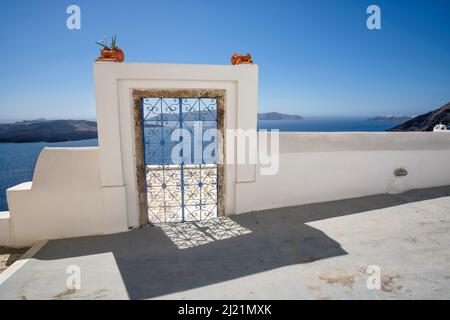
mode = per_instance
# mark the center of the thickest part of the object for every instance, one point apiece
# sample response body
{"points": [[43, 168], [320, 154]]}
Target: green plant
{"points": [[103, 44]]}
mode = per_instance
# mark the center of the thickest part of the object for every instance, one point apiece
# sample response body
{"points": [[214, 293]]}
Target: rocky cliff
{"points": [[427, 121]]}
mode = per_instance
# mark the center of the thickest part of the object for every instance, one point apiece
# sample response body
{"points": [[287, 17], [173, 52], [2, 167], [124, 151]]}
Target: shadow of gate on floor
{"points": [[152, 265]]}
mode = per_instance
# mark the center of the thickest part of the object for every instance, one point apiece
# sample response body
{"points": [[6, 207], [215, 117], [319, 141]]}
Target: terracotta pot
{"points": [[115, 54], [106, 54], [241, 59], [118, 54]]}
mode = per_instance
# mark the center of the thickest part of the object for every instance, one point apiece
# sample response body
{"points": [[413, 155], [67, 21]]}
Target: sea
{"points": [[17, 160], [327, 124]]}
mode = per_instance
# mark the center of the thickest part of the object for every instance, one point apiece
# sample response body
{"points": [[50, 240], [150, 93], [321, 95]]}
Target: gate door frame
{"points": [[139, 148]]}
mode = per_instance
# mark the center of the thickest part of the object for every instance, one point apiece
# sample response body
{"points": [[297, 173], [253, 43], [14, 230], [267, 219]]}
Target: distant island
{"points": [[399, 119], [427, 121], [278, 116], [210, 116], [42, 130]]}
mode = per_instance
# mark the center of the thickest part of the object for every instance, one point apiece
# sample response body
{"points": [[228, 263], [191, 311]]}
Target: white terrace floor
{"points": [[318, 251]]}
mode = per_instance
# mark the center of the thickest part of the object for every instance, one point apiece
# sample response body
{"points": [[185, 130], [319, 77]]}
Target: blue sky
{"points": [[316, 57]]}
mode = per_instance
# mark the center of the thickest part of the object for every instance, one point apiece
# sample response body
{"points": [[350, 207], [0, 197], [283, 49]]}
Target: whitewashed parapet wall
{"points": [[319, 167], [63, 200]]}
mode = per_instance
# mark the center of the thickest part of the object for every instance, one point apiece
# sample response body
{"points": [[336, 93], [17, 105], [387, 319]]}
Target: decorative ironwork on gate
{"points": [[181, 177]]}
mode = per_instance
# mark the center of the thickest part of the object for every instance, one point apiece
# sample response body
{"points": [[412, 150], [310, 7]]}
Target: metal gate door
{"points": [[181, 180]]}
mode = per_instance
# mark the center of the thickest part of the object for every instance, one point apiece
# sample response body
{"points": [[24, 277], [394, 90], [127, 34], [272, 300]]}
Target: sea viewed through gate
{"points": [[180, 158]]}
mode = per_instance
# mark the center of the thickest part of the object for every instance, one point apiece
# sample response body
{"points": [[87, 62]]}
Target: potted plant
{"points": [[110, 52]]}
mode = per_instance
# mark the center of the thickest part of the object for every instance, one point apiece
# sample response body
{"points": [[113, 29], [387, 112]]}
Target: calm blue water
{"points": [[17, 161], [327, 124]]}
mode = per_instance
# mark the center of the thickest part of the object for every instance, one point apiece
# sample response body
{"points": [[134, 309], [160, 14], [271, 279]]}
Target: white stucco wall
{"points": [[114, 84], [87, 191], [63, 200], [5, 229], [319, 167]]}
